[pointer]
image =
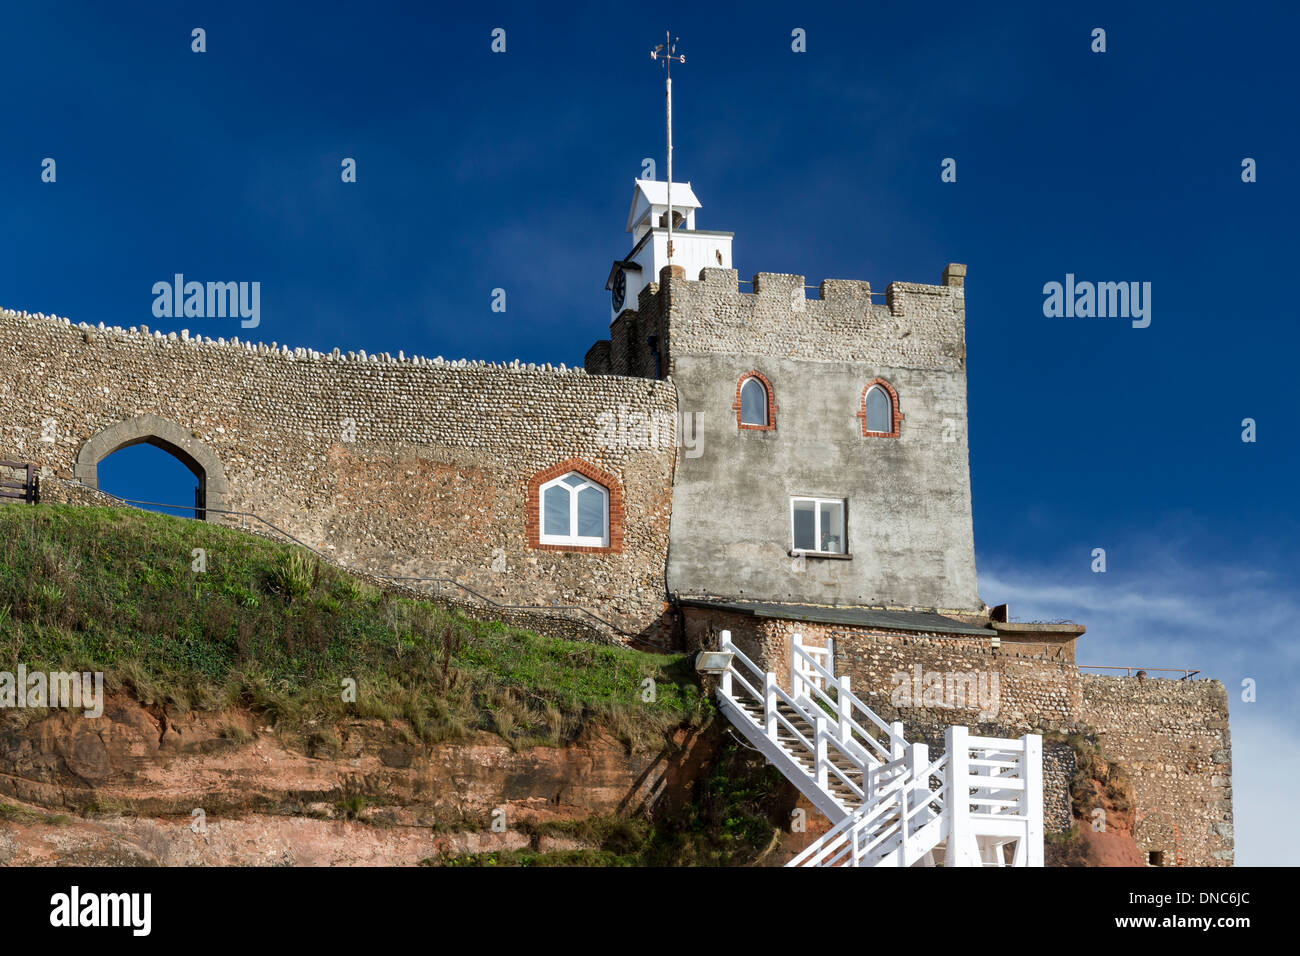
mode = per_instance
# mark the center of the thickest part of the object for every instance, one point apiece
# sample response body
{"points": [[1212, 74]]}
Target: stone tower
{"points": [[831, 463]]}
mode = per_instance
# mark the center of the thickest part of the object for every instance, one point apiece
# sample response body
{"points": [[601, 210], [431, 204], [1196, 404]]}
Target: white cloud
{"points": [[1265, 775], [1230, 622]]}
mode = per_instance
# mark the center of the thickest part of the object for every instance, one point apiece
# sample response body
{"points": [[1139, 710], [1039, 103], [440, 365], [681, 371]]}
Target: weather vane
{"points": [[667, 53]]}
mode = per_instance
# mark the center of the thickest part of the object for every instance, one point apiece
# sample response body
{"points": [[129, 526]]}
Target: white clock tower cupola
{"points": [[647, 221]]}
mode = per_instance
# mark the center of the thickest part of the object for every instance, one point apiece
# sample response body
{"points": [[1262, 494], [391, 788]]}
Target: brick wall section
{"points": [[435, 480], [1173, 738]]}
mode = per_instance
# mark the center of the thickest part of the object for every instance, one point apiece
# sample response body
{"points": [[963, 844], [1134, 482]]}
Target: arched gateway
{"points": [[171, 438]]}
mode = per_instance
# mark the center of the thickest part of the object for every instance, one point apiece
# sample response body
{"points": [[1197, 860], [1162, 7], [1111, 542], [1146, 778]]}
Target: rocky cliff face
{"points": [[137, 786]]}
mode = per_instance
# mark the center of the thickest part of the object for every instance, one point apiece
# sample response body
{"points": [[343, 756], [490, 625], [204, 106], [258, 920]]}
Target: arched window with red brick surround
{"points": [[755, 405], [879, 410], [574, 506]]}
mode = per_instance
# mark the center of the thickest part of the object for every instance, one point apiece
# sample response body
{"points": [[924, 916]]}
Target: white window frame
{"points": [[817, 524], [572, 539]]}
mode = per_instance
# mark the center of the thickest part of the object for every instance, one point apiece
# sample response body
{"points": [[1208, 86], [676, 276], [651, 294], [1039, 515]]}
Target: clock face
{"points": [[620, 290]]}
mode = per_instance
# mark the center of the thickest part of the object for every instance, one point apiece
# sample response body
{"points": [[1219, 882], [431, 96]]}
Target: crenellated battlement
{"points": [[917, 326]]}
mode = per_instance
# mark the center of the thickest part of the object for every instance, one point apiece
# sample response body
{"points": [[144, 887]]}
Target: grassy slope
{"points": [[269, 627]]}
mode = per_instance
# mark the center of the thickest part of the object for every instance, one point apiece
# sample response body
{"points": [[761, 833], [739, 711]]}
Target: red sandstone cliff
{"points": [[122, 790]]}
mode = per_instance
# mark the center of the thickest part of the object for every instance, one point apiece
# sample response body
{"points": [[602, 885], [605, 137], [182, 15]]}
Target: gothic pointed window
{"points": [[879, 410], [754, 406], [753, 403]]}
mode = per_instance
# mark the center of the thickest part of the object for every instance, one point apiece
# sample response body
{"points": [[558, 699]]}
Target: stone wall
{"points": [[402, 466], [1032, 694], [1059, 768], [777, 318], [420, 468], [62, 491], [1172, 736]]}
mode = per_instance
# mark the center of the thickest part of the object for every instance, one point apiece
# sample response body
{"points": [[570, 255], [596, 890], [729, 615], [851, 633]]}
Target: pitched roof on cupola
{"points": [[650, 193]]}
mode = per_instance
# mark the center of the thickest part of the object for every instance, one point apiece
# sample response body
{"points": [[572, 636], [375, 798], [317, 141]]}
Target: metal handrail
{"points": [[1187, 673]]}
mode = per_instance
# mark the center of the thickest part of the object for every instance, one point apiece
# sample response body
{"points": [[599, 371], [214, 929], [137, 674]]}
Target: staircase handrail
{"points": [[855, 732], [896, 740], [887, 798], [731, 674], [997, 794], [817, 852], [987, 787], [823, 766], [820, 763], [893, 795], [936, 796], [726, 644]]}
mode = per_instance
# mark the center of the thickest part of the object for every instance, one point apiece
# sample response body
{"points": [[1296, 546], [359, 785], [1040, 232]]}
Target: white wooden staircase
{"points": [[979, 804]]}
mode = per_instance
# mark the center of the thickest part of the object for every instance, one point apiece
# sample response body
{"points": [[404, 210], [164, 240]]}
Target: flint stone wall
{"points": [[429, 480], [1173, 738]]}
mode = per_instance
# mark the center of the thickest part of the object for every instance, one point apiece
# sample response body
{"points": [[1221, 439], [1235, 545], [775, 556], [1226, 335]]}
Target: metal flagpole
{"points": [[667, 51]]}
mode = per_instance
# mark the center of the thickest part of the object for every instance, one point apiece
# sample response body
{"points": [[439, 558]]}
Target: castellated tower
{"points": [[821, 499], [831, 465]]}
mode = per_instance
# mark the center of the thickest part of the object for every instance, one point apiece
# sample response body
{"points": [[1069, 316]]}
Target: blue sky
{"points": [[479, 170]]}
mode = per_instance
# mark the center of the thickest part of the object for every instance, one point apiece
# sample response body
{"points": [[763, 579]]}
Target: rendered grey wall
{"points": [[909, 528]]}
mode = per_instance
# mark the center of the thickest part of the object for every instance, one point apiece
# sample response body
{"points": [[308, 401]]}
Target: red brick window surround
{"points": [[759, 380], [893, 416], [615, 514]]}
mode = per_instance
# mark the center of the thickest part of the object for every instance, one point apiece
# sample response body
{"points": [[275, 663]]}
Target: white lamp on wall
{"points": [[712, 662]]}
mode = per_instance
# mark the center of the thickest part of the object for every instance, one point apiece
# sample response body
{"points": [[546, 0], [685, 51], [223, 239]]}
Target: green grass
{"points": [[272, 628]]}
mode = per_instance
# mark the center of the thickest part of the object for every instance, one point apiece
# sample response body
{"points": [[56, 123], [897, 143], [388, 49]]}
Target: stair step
{"points": [[849, 760], [790, 741]]}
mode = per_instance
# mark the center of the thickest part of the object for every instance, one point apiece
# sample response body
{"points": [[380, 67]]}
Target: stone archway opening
{"points": [[202, 461]]}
